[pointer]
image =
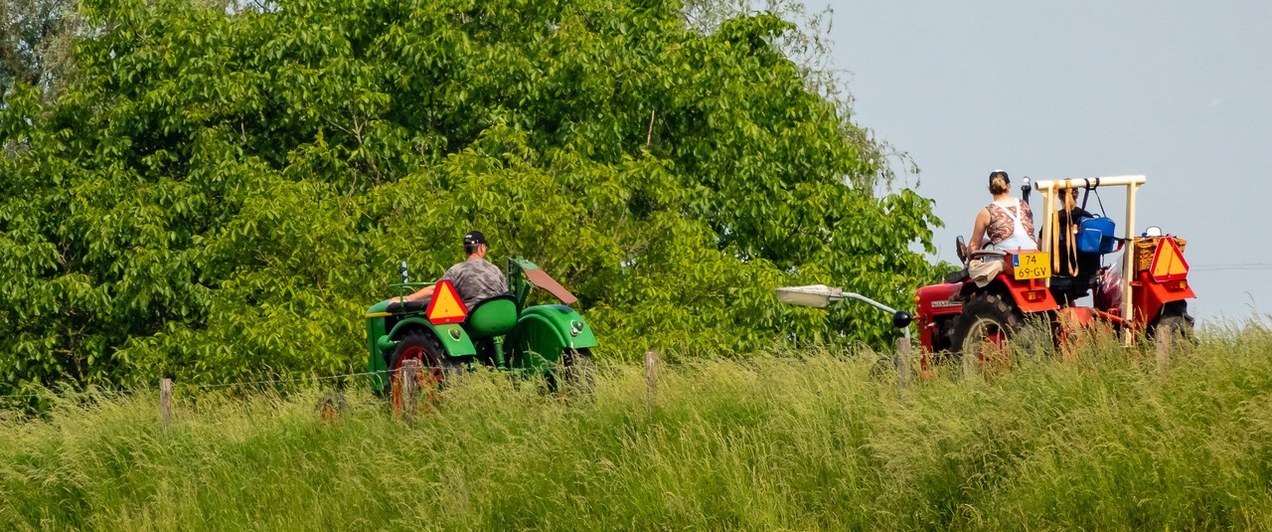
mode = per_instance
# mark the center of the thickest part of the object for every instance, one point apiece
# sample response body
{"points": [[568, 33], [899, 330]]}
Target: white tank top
{"points": [[1019, 239]]}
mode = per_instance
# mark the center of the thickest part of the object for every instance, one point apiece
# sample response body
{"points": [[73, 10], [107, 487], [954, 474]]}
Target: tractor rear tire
{"points": [[985, 327], [1175, 321], [436, 369]]}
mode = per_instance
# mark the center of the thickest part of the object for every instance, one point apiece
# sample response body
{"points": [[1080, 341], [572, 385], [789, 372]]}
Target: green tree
{"points": [[35, 43], [220, 193]]}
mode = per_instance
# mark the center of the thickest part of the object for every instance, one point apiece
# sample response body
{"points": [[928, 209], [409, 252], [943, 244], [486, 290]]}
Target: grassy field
{"points": [[1105, 441]]}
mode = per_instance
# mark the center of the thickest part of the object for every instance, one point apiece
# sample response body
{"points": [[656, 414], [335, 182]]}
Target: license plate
{"points": [[1032, 265]]}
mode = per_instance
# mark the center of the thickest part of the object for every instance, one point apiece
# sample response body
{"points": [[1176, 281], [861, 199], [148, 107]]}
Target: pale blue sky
{"points": [[1178, 91]]}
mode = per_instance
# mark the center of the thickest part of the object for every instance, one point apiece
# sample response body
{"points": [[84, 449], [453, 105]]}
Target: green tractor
{"points": [[552, 341]]}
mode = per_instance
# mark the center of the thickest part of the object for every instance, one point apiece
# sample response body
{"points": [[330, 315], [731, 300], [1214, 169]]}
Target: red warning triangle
{"points": [[1168, 262], [446, 306]]}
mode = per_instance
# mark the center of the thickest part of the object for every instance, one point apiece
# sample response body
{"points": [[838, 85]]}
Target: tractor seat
{"points": [[988, 254], [492, 317], [1066, 288], [399, 307]]}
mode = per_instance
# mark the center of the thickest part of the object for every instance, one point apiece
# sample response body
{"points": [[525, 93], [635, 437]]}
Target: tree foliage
{"points": [[218, 194], [36, 37]]}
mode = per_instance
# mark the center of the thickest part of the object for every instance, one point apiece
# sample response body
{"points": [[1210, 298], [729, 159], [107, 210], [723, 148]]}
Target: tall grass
{"points": [[818, 441]]}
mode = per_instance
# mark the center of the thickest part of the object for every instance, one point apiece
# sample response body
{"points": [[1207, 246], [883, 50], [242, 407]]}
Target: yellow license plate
{"points": [[1032, 265]]}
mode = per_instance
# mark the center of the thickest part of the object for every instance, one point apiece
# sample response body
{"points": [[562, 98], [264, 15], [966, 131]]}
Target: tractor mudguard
{"points": [[1030, 295], [1149, 296], [543, 332], [381, 342], [573, 331], [452, 336]]}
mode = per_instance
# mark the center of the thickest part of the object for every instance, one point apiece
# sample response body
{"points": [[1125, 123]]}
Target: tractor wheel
{"points": [[1175, 321], [981, 337], [577, 373], [435, 367]]}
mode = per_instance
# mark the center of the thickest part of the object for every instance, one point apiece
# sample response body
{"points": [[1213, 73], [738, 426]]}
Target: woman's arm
{"points": [[978, 230]]}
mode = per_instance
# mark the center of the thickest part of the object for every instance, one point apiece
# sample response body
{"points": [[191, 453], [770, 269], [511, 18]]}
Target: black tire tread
{"points": [[577, 373], [986, 305], [1174, 317], [450, 366]]}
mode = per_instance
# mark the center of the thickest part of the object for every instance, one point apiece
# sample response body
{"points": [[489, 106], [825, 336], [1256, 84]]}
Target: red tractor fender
{"points": [[1030, 295], [938, 302], [1148, 296]]}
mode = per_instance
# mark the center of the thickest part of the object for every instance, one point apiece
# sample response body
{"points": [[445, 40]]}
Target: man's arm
{"points": [[423, 293], [427, 291]]}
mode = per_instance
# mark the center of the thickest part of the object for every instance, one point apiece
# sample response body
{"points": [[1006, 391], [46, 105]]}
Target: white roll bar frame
{"points": [[1132, 184]]}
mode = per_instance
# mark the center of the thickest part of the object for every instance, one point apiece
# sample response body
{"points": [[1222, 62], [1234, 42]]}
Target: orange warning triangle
{"points": [[446, 306], [1168, 262]]}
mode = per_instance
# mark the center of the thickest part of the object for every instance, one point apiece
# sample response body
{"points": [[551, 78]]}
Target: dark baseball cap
{"points": [[997, 173], [474, 238]]}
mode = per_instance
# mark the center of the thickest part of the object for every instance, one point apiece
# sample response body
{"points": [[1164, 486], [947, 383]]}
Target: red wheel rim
{"points": [[992, 346], [429, 376]]}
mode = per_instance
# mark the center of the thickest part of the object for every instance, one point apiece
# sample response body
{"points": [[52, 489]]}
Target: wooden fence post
{"points": [[901, 360], [1163, 350], [331, 406], [410, 386], [651, 377], [165, 402]]}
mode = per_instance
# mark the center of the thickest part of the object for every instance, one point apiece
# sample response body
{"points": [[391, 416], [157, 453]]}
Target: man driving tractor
{"points": [[477, 320], [476, 279]]}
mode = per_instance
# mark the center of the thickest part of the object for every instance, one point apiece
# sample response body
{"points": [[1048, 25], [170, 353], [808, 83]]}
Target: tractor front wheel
{"points": [[986, 325], [577, 374]]}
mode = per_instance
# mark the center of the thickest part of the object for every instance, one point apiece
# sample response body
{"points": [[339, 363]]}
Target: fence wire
{"points": [[126, 391], [676, 363]]}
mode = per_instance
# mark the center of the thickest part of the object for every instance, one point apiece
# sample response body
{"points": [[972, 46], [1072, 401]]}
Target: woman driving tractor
{"points": [[1005, 224]]}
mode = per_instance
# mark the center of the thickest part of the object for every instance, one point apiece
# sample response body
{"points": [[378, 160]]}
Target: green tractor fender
{"points": [[543, 332], [382, 342], [454, 340]]}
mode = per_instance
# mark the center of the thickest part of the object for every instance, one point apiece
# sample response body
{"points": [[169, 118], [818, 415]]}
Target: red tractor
{"points": [[988, 302]]}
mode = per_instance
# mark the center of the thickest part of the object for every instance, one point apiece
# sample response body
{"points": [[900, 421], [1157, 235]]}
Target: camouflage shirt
{"points": [[476, 280]]}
